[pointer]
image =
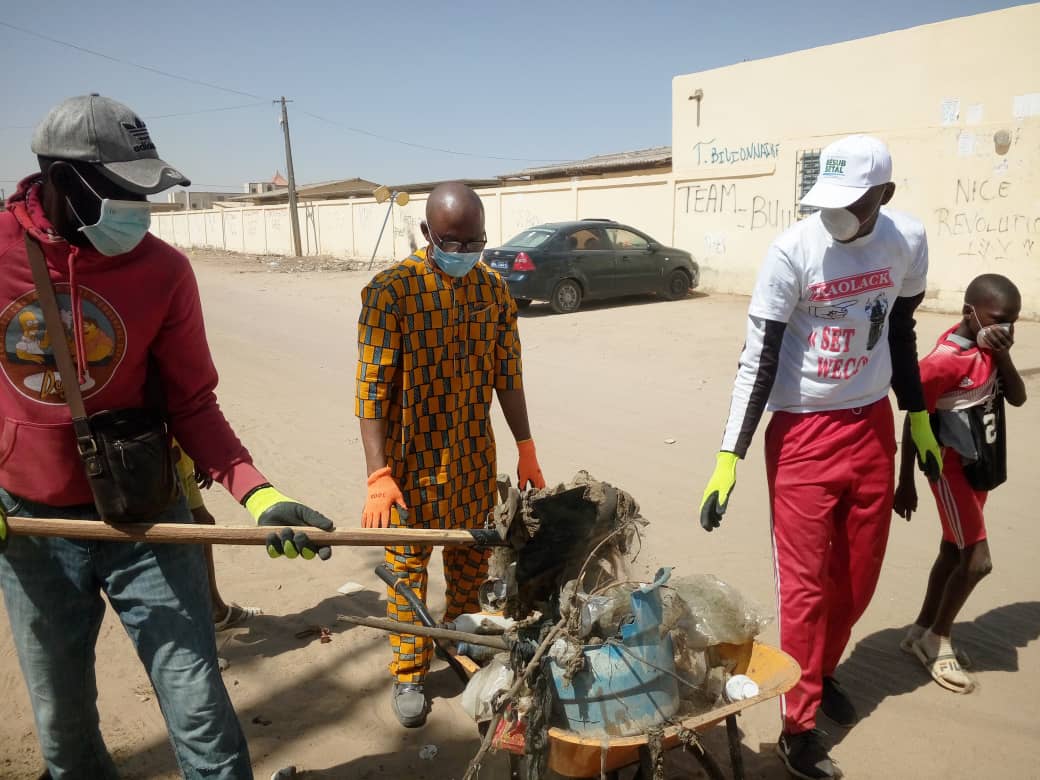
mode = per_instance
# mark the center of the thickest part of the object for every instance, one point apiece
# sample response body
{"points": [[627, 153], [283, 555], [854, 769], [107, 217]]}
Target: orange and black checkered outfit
{"points": [[431, 352]]}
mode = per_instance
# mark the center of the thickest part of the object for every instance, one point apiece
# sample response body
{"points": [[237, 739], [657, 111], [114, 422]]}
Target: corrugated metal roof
{"points": [[427, 186], [351, 188], [327, 190], [657, 156]]}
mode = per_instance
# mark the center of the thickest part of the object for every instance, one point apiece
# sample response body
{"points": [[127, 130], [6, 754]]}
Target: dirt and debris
{"points": [[285, 264], [594, 650]]}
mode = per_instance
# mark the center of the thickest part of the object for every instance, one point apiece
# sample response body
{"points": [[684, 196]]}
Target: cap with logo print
{"points": [[848, 168], [110, 136]]}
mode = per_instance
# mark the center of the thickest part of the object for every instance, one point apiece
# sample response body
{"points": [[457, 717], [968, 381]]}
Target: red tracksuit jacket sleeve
{"points": [[189, 382]]}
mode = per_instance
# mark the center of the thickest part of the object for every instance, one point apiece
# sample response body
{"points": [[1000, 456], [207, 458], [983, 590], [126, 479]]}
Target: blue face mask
{"points": [[456, 264], [121, 226]]}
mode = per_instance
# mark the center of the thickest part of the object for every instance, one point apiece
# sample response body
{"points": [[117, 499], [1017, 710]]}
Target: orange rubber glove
{"points": [[383, 495], [528, 470]]}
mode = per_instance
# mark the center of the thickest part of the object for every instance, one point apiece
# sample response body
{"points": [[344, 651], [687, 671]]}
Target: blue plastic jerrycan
{"points": [[627, 685]]}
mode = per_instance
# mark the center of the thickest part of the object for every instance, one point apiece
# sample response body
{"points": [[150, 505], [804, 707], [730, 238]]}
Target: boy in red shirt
{"points": [[966, 379]]}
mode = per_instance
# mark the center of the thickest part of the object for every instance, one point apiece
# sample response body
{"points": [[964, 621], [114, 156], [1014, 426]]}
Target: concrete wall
{"points": [[349, 228], [937, 95]]}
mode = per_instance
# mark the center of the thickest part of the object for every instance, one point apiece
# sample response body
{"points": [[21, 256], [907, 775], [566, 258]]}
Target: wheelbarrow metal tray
{"points": [[573, 755]]}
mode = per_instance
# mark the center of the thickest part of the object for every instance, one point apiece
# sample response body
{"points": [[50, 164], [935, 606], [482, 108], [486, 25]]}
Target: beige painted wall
{"points": [[935, 94], [349, 228]]}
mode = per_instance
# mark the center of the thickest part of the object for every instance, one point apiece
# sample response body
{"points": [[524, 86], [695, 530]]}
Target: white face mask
{"points": [[982, 335], [842, 224], [121, 225]]}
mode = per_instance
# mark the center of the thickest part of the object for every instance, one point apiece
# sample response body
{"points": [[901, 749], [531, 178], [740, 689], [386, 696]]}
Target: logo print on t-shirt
{"points": [[877, 308], [857, 284], [838, 310], [28, 360]]}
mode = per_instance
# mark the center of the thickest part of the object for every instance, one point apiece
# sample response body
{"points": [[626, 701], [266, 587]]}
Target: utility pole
{"points": [[294, 217]]}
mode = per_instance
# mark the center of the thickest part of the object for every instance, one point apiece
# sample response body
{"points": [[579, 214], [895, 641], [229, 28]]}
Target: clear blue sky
{"points": [[530, 79]]}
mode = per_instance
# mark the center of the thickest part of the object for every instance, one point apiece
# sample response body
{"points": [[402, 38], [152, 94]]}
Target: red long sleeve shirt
{"points": [[116, 311]]}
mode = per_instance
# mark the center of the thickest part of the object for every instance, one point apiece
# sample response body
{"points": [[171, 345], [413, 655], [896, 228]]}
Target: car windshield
{"points": [[529, 239]]}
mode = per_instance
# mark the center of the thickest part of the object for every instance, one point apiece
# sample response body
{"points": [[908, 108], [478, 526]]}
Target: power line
{"points": [[148, 68], [234, 187], [208, 110], [442, 150], [199, 82], [162, 116]]}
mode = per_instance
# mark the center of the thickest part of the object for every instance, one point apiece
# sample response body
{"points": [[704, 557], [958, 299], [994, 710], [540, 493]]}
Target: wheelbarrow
{"points": [[575, 756]]}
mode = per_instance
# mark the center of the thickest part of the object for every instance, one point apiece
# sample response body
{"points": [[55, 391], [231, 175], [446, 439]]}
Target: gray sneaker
{"points": [[409, 704]]}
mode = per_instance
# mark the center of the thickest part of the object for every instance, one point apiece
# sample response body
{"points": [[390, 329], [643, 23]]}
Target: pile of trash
{"points": [[592, 650]]}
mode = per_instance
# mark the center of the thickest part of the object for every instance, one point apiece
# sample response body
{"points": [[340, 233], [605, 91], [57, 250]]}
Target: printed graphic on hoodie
{"points": [[28, 360]]}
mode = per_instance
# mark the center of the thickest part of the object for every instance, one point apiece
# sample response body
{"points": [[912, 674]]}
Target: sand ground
{"points": [[607, 387]]}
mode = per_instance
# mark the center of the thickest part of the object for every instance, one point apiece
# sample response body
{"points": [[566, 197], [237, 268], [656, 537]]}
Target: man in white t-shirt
{"points": [[830, 330]]}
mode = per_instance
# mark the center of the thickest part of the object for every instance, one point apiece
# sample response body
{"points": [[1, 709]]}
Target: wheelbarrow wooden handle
{"points": [[397, 627], [186, 533]]}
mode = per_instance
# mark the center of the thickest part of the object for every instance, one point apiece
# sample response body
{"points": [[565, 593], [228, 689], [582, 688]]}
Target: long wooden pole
{"points": [[185, 533], [397, 627]]}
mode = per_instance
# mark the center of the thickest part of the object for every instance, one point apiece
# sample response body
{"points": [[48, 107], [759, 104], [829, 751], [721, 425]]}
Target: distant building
{"points": [[655, 160], [260, 187], [198, 200]]}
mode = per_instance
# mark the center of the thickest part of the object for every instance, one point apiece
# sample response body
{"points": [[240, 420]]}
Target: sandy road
{"points": [[606, 387]]}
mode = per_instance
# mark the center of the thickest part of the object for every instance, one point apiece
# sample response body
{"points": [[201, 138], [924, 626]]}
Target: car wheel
{"points": [[566, 297], [522, 303], [677, 286]]}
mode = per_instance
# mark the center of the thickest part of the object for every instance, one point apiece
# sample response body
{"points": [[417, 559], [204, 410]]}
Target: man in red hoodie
{"points": [[135, 299]]}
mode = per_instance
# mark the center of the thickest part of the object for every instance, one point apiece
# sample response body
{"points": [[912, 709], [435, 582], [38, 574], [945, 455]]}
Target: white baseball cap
{"points": [[848, 168]]}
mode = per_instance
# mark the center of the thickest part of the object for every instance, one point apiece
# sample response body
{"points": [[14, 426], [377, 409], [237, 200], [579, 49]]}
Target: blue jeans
{"points": [[52, 590]]}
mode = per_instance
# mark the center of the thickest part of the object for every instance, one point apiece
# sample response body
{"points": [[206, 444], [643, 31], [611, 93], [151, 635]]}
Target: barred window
{"points": [[807, 168]]}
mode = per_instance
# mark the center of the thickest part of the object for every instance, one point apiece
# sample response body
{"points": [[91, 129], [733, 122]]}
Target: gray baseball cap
{"points": [[104, 132]]}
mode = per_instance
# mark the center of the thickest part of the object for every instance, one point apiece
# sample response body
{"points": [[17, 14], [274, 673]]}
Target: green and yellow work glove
{"points": [[929, 456], [716, 495], [269, 507], [3, 530]]}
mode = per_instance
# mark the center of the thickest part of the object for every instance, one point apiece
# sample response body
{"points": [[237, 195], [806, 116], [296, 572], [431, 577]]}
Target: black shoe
{"points": [[805, 756], [837, 705]]}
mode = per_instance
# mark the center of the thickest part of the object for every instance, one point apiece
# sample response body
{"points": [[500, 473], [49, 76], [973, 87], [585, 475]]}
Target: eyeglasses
{"points": [[458, 246]]}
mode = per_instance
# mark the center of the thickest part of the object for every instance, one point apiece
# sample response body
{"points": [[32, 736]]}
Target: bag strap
{"points": [[60, 347]]}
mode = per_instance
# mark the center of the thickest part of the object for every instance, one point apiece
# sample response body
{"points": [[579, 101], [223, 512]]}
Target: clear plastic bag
{"points": [[602, 615], [484, 686], [708, 612]]}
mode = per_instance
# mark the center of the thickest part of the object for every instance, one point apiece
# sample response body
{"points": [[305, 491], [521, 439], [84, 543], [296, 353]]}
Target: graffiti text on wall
{"points": [[752, 211], [711, 153], [984, 224]]}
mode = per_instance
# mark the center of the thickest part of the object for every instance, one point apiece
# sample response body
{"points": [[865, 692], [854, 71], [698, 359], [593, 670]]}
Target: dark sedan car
{"points": [[568, 262]]}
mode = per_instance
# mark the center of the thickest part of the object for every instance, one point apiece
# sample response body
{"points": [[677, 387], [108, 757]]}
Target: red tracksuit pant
{"points": [[831, 479]]}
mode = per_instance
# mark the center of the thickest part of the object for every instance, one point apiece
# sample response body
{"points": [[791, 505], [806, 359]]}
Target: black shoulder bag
{"points": [[126, 453]]}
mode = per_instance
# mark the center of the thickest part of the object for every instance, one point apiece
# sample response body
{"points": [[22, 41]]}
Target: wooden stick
{"points": [[397, 627], [186, 533]]}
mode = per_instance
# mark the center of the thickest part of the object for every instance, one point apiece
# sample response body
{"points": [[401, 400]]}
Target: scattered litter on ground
{"points": [[350, 587], [323, 634], [428, 752], [283, 264], [259, 720]]}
